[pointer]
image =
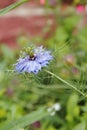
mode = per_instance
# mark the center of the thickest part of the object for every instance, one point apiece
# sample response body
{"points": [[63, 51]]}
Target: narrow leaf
{"points": [[80, 126], [12, 6], [25, 120]]}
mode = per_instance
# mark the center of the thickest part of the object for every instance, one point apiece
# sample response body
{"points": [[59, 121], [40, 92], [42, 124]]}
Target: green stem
{"points": [[12, 6], [62, 80]]}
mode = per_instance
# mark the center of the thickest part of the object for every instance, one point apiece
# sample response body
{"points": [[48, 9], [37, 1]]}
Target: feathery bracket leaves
{"points": [[67, 83]]}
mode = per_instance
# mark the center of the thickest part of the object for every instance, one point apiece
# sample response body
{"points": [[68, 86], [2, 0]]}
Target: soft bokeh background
{"points": [[59, 25]]}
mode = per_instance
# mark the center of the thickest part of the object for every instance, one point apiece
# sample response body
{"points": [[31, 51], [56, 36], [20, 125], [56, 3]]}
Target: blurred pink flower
{"points": [[9, 92], [36, 124], [80, 8], [42, 2], [52, 3], [75, 70], [69, 59]]}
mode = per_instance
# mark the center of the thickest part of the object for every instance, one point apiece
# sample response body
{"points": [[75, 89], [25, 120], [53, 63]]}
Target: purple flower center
{"points": [[32, 57]]}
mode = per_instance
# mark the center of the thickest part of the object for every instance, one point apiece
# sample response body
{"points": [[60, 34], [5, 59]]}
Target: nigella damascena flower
{"points": [[33, 60]]}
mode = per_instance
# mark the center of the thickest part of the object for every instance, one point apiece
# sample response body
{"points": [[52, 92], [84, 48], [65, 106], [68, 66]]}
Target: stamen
{"points": [[32, 57]]}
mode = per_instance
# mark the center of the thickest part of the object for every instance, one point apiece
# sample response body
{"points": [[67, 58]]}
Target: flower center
{"points": [[32, 57], [30, 52]]}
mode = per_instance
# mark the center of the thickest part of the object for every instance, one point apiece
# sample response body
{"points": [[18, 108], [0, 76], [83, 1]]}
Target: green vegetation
{"points": [[43, 101]]}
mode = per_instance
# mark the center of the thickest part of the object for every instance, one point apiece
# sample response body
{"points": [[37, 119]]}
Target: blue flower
{"points": [[33, 60]]}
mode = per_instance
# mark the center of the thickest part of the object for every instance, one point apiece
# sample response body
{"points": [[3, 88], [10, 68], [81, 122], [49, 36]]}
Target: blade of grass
{"points": [[25, 120], [12, 6]]}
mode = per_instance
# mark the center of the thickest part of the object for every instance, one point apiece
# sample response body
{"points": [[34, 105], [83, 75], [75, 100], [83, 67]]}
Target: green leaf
{"points": [[25, 120], [61, 35], [72, 107], [7, 52], [51, 128], [80, 126], [12, 6], [84, 108]]}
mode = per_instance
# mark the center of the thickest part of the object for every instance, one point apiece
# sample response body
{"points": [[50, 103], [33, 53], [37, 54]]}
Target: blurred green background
{"points": [[20, 95]]}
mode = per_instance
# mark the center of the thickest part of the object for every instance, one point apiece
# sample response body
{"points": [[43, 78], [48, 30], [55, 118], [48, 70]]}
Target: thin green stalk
{"points": [[62, 80], [12, 6]]}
